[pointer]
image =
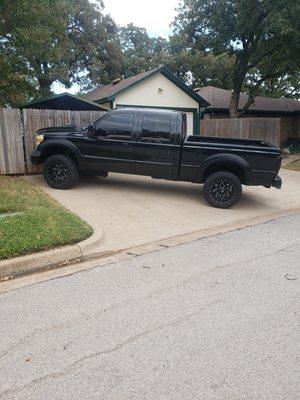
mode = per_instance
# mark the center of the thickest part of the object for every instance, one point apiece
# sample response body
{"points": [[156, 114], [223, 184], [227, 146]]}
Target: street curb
{"points": [[109, 257], [89, 247], [61, 256]]}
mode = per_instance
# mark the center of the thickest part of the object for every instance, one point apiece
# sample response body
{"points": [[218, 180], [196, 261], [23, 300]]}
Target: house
{"points": [[288, 110], [64, 101], [157, 88]]}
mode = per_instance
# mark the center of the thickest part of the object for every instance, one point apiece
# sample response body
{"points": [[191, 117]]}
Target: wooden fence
{"points": [[18, 134], [267, 129], [11, 142]]}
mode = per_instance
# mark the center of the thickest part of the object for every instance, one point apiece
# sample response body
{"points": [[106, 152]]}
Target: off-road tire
{"points": [[60, 172], [222, 189]]}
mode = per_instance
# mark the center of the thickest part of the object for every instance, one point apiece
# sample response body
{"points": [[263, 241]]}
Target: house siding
{"points": [[147, 93]]}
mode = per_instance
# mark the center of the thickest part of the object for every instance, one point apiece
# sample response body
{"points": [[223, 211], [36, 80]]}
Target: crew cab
{"points": [[154, 142]]}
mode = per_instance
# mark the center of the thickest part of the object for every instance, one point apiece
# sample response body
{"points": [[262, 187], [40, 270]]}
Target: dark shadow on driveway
{"points": [[185, 190]]}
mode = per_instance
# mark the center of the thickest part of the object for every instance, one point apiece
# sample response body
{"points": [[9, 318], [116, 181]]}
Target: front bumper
{"points": [[36, 157], [277, 182]]}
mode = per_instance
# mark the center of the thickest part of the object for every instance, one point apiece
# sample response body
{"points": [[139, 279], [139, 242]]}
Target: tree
{"points": [[94, 38], [141, 52], [43, 41], [197, 67], [286, 86], [261, 36]]}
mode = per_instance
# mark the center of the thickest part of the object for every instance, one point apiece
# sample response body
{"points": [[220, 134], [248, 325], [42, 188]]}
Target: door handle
{"points": [[127, 144]]}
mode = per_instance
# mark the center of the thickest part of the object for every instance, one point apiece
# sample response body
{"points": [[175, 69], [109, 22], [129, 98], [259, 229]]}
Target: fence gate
{"points": [[11, 142]]}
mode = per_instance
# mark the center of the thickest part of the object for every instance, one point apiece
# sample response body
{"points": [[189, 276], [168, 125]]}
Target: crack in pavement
{"points": [[89, 316], [72, 367]]}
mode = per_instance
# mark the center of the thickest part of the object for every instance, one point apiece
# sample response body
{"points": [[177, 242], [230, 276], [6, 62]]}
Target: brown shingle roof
{"points": [[106, 91], [220, 99]]}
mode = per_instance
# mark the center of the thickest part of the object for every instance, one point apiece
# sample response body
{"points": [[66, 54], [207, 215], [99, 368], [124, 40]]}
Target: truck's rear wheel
{"points": [[60, 171], [222, 189]]}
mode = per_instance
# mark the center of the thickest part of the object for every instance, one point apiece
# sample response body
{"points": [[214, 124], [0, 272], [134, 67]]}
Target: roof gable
{"points": [[107, 92]]}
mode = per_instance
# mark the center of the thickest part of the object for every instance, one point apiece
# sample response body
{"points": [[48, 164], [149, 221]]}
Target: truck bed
{"points": [[261, 158], [213, 140]]}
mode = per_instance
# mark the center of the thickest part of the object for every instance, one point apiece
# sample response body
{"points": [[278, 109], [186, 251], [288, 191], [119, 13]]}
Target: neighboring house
{"points": [[64, 101], [288, 110], [157, 88]]}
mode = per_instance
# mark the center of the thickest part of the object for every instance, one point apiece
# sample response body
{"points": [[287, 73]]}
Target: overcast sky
{"points": [[154, 15]]}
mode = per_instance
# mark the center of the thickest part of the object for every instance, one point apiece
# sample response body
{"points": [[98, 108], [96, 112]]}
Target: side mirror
{"points": [[90, 133]]}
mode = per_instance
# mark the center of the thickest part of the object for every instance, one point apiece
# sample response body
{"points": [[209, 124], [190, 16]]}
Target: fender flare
{"points": [[230, 159], [64, 144]]}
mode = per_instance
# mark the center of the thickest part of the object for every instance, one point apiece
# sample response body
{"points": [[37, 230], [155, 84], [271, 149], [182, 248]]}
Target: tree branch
{"points": [[265, 54], [253, 92]]}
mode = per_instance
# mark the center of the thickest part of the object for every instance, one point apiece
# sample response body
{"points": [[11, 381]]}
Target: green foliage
{"points": [[141, 52], [248, 46], [43, 224], [43, 41], [198, 67], [95, 42], [259, 37], [285, 86]]}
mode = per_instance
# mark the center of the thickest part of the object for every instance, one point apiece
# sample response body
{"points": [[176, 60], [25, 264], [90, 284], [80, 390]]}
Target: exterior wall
{"points": [[158, 91], [290, 127]]}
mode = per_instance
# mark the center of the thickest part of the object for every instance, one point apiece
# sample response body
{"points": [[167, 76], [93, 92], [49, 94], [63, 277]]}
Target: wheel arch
{"points": [[226, 162], [52, 147]]}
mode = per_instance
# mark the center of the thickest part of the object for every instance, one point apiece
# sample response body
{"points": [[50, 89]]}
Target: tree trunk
{"points": [[234, 104], [239, 74], [45, 85]]}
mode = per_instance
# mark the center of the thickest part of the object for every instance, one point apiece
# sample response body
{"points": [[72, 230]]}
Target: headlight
{"points": [[39, 139]]}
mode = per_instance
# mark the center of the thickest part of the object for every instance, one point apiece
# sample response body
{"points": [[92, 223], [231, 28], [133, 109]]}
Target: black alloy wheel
{"points": [[60, 171], [222, 189]]}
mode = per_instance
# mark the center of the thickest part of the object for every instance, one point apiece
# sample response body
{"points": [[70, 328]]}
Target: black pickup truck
{"points": [[154, 142]]}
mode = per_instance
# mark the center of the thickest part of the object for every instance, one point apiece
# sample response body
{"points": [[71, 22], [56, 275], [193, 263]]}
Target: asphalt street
{"points": [[217, 318]]}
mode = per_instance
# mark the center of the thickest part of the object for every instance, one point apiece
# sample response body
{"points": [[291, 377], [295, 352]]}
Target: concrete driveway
{"points": [[135, 210]]}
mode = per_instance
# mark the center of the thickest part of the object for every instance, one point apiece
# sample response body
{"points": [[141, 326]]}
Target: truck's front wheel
{"points": [[222, 189], [60, 171]]}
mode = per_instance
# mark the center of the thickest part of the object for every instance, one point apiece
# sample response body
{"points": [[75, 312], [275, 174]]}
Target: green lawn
{"points": [[295, 165], [43, 224]]}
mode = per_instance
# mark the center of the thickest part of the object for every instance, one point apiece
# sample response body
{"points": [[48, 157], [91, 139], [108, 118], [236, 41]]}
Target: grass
{"points": [[43, 224], [294, 165]]}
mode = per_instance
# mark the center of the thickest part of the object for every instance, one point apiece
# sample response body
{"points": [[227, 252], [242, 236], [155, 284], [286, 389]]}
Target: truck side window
{"points": [[116, 126], [156, 128]]}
